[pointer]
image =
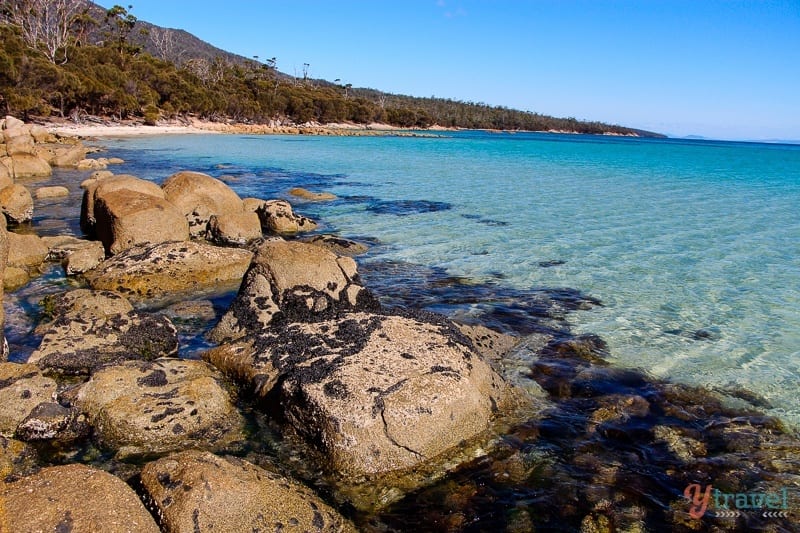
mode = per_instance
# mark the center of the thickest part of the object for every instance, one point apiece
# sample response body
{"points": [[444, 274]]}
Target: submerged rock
{"points": [[160, 270], [371, 393], [198, 491], [311, 196], [140, 407], [293, 281], [74, 498], [338, 245]]}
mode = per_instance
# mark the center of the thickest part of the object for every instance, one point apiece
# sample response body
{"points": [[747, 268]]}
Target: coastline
{"points": [[601, 415], [195, 126]]}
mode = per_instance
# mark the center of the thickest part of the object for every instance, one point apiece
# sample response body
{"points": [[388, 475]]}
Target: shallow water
{"points": [[664, 249], [692, 246]]}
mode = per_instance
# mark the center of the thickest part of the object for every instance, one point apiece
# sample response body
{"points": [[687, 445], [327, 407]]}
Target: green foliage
{"points": [[117, 80]]}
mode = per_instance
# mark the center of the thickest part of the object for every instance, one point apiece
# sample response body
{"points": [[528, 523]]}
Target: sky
{"points": [[725, 69]]}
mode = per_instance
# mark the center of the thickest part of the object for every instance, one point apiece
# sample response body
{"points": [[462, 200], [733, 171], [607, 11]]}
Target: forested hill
{"points": [[73, 58]]}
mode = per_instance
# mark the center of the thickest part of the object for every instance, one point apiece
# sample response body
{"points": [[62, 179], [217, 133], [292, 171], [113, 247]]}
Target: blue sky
{"points": [[723, 69]]}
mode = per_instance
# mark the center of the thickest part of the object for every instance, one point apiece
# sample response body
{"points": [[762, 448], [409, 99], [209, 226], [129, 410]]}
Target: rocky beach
{"points": [[318, 403]]}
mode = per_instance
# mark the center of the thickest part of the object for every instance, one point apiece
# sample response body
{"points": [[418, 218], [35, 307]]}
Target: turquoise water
{"points": [[693, 247]]}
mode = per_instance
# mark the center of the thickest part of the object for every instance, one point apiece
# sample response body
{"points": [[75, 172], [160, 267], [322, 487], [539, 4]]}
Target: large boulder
{"points": [[294, 281], [73, 498], [233, 229], [26, 250], [140, 407], [28, 166], [16, 203], [101, 184], [61, 155], [126, 218], [95, 328], [22, 387], [170, 269], [370, 393], [277, 217], [199, 196], [199, 491]]}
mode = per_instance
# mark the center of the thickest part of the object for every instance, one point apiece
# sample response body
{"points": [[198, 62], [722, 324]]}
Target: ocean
{"points": [[683, 256], [692, 248]]}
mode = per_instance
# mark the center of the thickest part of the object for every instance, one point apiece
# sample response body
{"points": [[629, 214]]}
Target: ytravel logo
{"points": [[727, 504]]}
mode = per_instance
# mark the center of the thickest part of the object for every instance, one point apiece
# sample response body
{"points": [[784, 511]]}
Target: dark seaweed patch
{"points": [[403, 208]]}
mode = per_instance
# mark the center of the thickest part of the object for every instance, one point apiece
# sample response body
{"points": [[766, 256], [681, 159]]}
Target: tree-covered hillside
{"points": [[72, 58]]}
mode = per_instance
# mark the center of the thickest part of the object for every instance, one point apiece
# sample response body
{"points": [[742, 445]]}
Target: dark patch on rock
{"points": [[336, 389], [157, 378]]}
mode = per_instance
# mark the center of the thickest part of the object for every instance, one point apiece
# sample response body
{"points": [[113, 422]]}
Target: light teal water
{"points": [[693, 247]]}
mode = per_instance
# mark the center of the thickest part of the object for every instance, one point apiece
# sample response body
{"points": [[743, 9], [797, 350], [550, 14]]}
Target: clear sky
{"points": [[727, 69]]}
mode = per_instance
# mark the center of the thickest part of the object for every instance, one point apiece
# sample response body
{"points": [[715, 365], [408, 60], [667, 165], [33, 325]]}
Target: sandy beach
{"points": [[195, 126]]}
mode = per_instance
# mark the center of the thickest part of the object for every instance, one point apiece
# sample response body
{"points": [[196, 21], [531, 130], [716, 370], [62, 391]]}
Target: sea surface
{"points": [[691, 247], [683, 256]]}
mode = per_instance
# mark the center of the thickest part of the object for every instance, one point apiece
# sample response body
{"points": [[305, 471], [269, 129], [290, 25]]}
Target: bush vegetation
{"points": [[116, 78]]}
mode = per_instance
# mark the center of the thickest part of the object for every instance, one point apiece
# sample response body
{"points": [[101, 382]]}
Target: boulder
{"points": [[19, 141], [490, 344], [22, 387], [102, 185], [91, 164], [75, 255], [74, 498], [83, 259], [51, 192], [199, 196], [199, 491], [277, 217], [234, 229], [95, 328], [16, 203], [370, 393], [169, 269], [26, 251], [51, 421], [125, 218], [305, 194], [15, 455], [29, 166], [337, 245], [95, 177], [294, 281], [140, 407], [15, 277], [61, 155]]}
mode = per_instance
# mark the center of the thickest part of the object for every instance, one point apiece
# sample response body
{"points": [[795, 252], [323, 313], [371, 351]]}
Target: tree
{"points": [[44, 24], [163, 40], [122, 23]]}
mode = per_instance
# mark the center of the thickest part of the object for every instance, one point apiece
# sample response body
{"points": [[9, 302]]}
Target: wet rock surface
{"points": [[49, 501], [166, 405], [338, 245], [197, 491]]}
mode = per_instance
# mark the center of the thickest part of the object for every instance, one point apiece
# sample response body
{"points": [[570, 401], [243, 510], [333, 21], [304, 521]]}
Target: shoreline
{"points": [[194, 126]]}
